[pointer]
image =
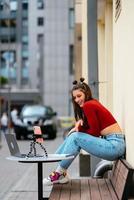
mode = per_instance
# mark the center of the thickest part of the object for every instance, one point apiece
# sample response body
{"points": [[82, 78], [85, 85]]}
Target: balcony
{"points": [[6, 15], [7, 31]]}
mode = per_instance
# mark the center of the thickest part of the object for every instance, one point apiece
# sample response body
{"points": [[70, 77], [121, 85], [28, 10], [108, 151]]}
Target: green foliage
{"points": [[3, 80]]}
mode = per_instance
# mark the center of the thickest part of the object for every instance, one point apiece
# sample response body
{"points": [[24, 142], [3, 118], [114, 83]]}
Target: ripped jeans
{"points": [[110, 147]]}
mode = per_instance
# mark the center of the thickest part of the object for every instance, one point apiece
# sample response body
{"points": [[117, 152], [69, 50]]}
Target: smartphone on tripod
{"points": [[38, 133]]}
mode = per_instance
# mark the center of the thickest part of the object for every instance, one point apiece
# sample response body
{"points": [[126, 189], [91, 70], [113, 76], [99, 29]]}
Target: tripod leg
{"points": [[34, 148], [31, 149], [43, 149]]}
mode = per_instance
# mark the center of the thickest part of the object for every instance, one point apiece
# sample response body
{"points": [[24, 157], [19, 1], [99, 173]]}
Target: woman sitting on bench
{"points": [[96, 131]]}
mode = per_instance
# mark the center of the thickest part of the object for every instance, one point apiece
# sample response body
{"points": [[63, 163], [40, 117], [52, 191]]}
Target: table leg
{"points": [[40, 181]]}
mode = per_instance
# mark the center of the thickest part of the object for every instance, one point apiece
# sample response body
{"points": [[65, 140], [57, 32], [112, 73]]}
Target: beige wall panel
{"points": [[78, 15], [109, 54], [78, 39], [123, 77], [84, 41], [101, 64], [78, 51], [105, 55]]}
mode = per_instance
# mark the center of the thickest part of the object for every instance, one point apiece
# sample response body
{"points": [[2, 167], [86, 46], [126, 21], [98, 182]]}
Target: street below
{"points": [[21, 178]]}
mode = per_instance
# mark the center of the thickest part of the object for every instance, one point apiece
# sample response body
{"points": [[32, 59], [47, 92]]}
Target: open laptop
{"points": [[14, 148]]}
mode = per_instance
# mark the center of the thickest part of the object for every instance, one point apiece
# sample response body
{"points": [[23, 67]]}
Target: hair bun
{"points": [[75, 82], [82, 80]]}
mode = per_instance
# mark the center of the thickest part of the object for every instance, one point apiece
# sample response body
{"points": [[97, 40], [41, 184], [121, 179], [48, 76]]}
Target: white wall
{"points": [[101, 64], [123, 73], [105, 56], [84, 41], [116, 71]]}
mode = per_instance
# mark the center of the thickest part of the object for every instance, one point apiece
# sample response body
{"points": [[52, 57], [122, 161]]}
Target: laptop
{"points": [[14, 148]]}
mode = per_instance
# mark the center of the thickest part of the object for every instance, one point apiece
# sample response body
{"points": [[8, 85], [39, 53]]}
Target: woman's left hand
{"points": [[76, 127], [78, 124]]}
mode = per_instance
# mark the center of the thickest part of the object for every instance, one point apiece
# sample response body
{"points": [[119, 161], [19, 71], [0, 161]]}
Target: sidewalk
{"points": [[25, 182]]}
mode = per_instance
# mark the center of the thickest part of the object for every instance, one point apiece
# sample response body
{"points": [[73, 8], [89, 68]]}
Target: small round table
{"points": [[40, 161]]}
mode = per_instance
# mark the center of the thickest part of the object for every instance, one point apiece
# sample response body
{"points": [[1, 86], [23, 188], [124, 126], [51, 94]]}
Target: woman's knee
{"points": [[74, 136]]}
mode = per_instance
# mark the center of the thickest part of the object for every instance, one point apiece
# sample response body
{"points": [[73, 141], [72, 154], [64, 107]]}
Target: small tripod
{"points": [[33, 143]]}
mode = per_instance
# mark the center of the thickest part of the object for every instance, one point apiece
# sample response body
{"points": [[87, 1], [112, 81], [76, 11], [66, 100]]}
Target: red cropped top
{"points": [[98, 117]]}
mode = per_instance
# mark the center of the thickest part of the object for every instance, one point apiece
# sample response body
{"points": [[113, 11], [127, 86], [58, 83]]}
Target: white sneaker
{"points": [[56, 177]]}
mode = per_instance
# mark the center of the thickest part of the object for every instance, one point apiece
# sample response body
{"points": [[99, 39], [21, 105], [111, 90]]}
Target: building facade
{"points": [[36, 52]]}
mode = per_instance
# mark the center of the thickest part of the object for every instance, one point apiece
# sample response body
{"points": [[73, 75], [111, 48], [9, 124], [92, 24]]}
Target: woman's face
{"points": [[79, 97]]}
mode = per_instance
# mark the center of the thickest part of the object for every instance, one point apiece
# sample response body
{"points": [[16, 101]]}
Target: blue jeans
{"points": [[110, 147]]}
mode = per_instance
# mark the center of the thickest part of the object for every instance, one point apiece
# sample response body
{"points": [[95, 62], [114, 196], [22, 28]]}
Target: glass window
{"points": [[40, 4], [13, 5], [25, 30], [24, 22], [71, 18], [8, 56], [33, 110], [24, 72], [24, 14], [40, 21], [12, 38], [24, 47], [8, 74], [25, 6], [40, 38], [1, 6], [13, 73], [5, 39], [25, 38], [24, 54], [5, 23], [25, 62], [71, 59], [12, 23], [8, 67]]}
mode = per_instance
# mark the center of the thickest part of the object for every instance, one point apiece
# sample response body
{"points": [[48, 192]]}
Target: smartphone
{"points": [[37, 131]]}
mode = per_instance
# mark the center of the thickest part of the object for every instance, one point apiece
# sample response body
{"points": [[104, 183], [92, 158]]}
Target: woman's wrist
{"points": [[71, 131]]}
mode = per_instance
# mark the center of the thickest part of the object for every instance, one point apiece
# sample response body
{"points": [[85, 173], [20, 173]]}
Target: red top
{"points": [[98, 117]]}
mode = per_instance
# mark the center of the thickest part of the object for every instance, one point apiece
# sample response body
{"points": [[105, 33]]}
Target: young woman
{"points": [[96, 131]]}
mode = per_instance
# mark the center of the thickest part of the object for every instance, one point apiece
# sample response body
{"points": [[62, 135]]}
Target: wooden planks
{"points": [[112, 188], [75, 189], [85, 190], [120, 178], [94, 189], [56, 191], [104, 189], [82, 189]]}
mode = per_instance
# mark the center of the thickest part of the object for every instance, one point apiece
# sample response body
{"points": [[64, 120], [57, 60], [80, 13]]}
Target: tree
{"points": [[3, 81]]}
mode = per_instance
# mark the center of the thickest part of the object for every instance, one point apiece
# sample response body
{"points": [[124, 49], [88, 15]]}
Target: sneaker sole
{"points": [[63, 181]]}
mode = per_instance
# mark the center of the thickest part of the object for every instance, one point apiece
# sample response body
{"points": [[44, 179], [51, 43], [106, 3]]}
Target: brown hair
{"points": [[82, 86]]}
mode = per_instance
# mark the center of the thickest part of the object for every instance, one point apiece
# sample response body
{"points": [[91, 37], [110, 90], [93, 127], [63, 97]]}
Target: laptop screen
{"points": [[12, 144]]}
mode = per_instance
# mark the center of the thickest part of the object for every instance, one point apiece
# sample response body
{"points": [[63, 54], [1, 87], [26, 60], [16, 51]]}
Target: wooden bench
{"points": [[116, 187]]}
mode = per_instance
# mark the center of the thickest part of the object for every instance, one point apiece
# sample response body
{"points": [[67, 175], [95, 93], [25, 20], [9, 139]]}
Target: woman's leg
{"points": [[109, 149]]}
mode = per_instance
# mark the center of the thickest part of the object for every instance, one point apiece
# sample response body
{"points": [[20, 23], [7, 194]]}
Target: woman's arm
{"points": [[78, 124]]}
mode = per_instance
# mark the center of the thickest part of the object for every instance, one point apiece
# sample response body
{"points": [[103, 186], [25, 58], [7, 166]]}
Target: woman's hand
{"points": [[78, 124], [71, 131]]}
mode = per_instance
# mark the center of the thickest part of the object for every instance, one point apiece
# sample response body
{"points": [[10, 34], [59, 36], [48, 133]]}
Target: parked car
{"points": [[32, 115]]}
